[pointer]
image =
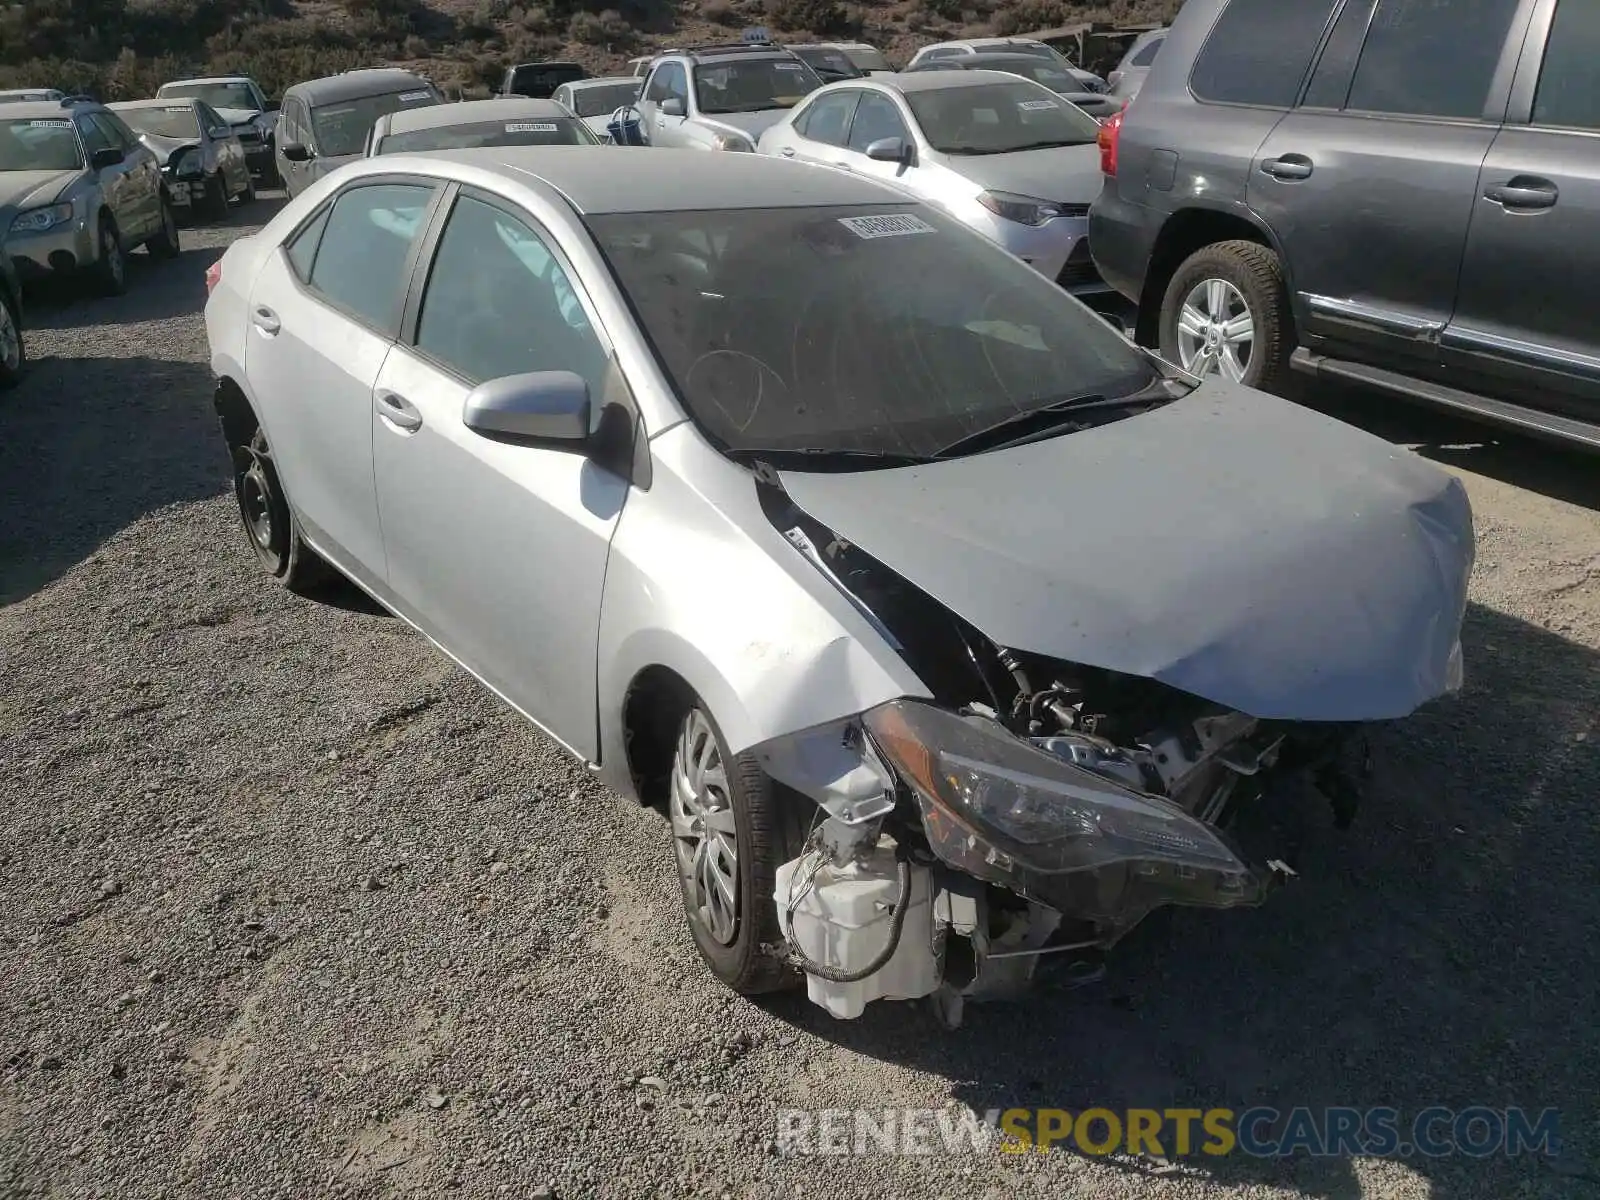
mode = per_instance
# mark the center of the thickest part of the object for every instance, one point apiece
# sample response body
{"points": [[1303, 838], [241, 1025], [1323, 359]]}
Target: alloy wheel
{"points": [[703, 829], [1216, 331]]}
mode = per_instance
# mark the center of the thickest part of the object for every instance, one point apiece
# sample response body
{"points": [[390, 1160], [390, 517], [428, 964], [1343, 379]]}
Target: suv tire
{"points": [[1249, 272]]}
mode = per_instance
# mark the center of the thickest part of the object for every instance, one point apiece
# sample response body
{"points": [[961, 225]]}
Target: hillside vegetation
{"points": [[121, 49]]}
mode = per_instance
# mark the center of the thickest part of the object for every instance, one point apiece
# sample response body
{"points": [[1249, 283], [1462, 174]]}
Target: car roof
{"points": [[208, 79], [41, 110], [505, 108], [577, 85], [929, 81], [157, 102], [600, 180], [354, 85], [733, 52], [1002, 56], [39, 91]]}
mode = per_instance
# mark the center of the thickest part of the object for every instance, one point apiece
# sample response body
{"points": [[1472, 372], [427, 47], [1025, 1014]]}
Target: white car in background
{"points": [[503, 121], [593, 101], [1003, 154], [1007, 45]]}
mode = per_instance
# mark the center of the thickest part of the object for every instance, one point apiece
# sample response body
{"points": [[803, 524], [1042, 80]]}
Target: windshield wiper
{"points": [[820, 457], [1050, 419]]}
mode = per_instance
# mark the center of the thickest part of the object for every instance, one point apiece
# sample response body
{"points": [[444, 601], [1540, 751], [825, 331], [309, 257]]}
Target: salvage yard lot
{"points": [[291, 907]]}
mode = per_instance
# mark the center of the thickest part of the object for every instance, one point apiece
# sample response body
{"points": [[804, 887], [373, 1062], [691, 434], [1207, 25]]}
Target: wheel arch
{"points": [[234, 410], [1185, 232]]}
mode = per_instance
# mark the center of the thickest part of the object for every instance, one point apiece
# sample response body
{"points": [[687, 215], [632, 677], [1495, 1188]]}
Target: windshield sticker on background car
{"points": [[412, 97], [49, 124], [892, 225], [787, 66], [1036, 105], [532, 127]]}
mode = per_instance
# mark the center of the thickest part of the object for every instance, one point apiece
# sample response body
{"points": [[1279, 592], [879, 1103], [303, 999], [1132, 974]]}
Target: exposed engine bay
{"points": [[1035, 808]]}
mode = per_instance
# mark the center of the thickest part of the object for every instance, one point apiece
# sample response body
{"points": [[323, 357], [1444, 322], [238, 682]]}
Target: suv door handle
{"points": [[264, 319], [1524, 191], [399, 412], [1289, 166]]}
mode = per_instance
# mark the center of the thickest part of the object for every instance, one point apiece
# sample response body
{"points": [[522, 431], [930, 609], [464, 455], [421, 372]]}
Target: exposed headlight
{"points": [[187, 162], [970, 773], [37, 220], [1025, 210], [731, 141]]}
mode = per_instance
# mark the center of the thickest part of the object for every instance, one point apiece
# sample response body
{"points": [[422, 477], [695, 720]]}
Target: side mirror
{"points": [[542, 408], [673, 106], [296, 152], [891, 149], [110, 156], [219, 134]]}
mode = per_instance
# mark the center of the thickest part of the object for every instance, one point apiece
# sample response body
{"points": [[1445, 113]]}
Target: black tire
{"points": [[1255, 272], [765, 838], [214, 202], [111, 270], [248, 196], [269, 523], [12, 344], [166, 243]]}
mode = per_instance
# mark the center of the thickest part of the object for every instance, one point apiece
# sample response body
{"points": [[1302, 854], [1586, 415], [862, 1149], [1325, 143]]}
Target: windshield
{"points": [[218, 95], [999, 118], [753, 85], [342, 128], [885, 329], [603, 99], [1048, 74], [826, 62], [1033, 50], [867, 59], [48, 145], [556, 131], [26, 97], [179, 121]]}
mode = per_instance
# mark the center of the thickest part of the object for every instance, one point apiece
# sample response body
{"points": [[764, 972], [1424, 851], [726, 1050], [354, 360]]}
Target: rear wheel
{"points": [[269, 523], [214, 201], [165, 244], [13, 353], [1226, 312]]}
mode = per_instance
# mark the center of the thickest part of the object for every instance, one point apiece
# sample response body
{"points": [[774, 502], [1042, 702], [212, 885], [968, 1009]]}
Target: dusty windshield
{"points": [[828, 63], [867, 59], [1000, 118], [554, 131], [39, 145], [342, 128], [1036, 69], [882, 329], [603, 100], [218, 95], [753, 85], [179, 121]]}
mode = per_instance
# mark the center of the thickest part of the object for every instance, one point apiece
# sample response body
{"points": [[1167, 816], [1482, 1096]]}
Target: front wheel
{"points": [[269, 523], [13, 353], [111, 271], [214, 202], [1226, 312], [729, 838]]}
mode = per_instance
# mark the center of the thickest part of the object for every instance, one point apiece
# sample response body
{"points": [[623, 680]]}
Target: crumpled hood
{"points": [[238, 116], [1231, 544], [164, 147], [29, 189], [751, 124], [1070, 174]]}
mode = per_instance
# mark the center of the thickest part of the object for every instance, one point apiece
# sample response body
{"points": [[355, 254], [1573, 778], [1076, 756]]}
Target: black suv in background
{"points": [[1399, 194]]}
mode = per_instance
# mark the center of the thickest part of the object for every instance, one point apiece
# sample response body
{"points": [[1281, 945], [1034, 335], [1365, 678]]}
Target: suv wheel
{"points": [[1226, 312]]}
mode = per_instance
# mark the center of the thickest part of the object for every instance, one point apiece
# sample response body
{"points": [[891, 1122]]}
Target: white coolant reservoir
{"points": [[842, 919]]}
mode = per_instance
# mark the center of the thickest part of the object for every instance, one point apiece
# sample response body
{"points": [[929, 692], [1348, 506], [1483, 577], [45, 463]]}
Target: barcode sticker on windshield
{"points": [[49, 124], [532, 127], [787, 66], [893, 225], [412, 97], [1036, 105]]}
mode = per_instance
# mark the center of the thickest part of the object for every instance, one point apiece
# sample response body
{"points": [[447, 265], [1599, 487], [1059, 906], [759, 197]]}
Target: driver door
{"points": [[117, 185], [877, 117], [498, 551], [669, 81]]}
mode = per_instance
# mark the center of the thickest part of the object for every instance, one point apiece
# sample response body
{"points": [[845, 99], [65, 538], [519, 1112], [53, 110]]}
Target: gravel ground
{"points": [[290, 907]]}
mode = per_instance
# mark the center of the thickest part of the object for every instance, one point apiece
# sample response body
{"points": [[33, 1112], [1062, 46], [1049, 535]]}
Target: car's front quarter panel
{"points": [[701, 583]]}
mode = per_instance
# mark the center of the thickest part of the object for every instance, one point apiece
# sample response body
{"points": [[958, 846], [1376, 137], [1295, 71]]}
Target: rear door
{"points": [[1525, 316], [819, 133], [1369, 184]]}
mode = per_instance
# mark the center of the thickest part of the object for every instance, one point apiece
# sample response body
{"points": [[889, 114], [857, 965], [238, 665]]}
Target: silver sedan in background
{"points": [[1002, 154], [201, 156], [747, 481], [595, 100], [504, 121]]}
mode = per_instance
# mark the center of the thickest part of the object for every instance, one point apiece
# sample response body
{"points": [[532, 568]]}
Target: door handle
{"points": [[399, 412], [1524, 191], [264, 319], [1288, 167], [787, 151], [843, 166]]}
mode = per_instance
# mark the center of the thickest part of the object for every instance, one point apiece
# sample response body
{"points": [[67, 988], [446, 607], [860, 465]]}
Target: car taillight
{"points": [[214, 273], [1107, 139]]}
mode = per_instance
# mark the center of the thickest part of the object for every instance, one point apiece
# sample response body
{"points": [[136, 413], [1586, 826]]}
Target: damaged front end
{"points": [[1034, 807]]}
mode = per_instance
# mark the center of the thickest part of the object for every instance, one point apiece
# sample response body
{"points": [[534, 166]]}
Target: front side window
{"points": [[1569, 94], [94, 137], [360, 263], [302, 250], [753, 85], [543, 131], [341, 128], [667, 83], [890, 329], [827, 120], [498, 303], [602, 99], [1259, 51], [1423, 59], [39, 145], [1000, 118], [218, 95], [876, 118], [179, 121]]}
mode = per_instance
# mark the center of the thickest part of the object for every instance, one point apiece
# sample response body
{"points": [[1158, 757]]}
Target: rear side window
{"points": [[303, 250], [1259, 51], [1425, 59], [361, 260], [1147, 53], [1569, 91]]}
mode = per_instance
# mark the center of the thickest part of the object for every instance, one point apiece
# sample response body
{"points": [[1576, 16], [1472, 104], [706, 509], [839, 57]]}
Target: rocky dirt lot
{"points": [[289, 907]]}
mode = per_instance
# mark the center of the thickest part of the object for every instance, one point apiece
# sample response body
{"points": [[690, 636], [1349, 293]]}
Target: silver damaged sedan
{"points": [[926, 606]]}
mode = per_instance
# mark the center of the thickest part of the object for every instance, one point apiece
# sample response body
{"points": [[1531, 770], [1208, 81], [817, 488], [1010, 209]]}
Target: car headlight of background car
{"points": [[37, 220], [731, 141], [1025, 210], [187, 162]]}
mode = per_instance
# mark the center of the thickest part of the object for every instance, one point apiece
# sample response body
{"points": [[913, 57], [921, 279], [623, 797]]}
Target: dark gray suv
{"points": [[1398, 194]]}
